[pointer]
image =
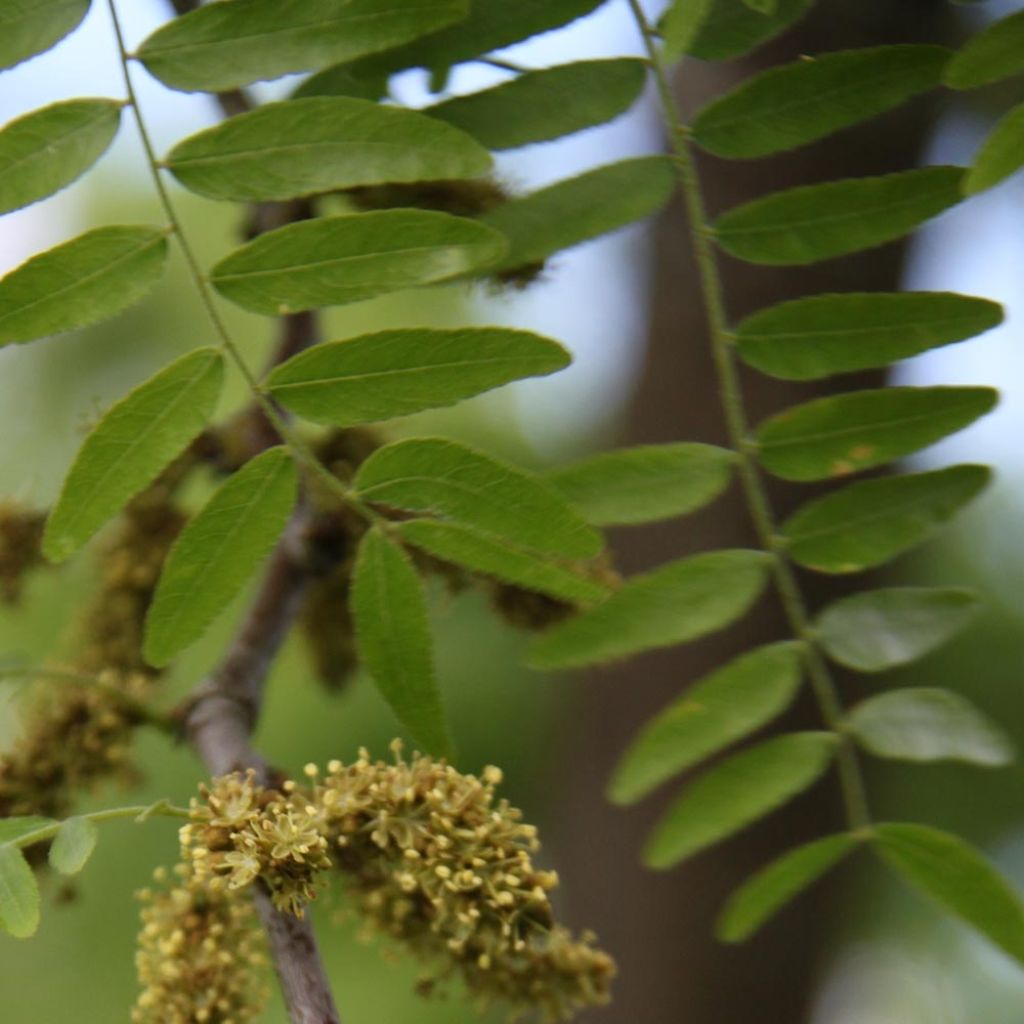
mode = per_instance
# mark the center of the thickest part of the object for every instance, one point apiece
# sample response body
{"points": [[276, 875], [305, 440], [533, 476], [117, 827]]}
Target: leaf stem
{"points": [[731, 396], [161, 809]]}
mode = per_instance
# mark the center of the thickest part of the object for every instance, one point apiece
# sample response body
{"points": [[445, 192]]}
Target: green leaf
{"points": [[808, 99], [19, 894], [235, 42], [547, 104], [958, 877], [871, 522], [450, 481], [646, 483], [48, 149], [1000, 156], [763, 6], [816, 222], [29, 27], [131, 445], [578, 209], [12, 829], [680, 24], [345, 80], [331, 261], [218, 551], [393, 637], [81, 282], [924, 724], [774, 886], [737, 792], [675, 603], [844, 434], [720, 709], [880, 629], [731, 28], [306, 146], [73, 845], [483, 553], [992, 55], [825, 334], [395, 373]]}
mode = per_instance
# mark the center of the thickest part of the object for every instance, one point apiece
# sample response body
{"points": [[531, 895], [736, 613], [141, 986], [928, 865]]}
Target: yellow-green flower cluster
{"points": [[200, 957]]}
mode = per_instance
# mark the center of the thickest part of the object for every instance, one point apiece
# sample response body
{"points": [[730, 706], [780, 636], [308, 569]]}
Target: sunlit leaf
{"points": [[880, 629], [395, 373], [737, 792], [28, 27], [1000, 156], [848, 433], [305, 146], [730, 28], [450, 481], [577, 209], [870, 522], [331, 261], [73, 845], [234, 42], [218, 551], [670, 605], [774, 886], [720, 709], [924, 724], [816, 222], [546, 104], [48, 149], [492, 556], [958, 877], [808, 99], [646, 483], [393, 638], [130, 447], [19, 894], [88, 279], [825, 334], [991, 55]]}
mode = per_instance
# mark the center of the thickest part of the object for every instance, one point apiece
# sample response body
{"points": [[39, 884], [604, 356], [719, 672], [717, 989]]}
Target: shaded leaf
{"points": [[1000, 156], [577, 209], [331, 261], [398, 372], [737, 792], [870, 522], [995, 53], [73, 845], [29, 27], [448, 480], [305, 146], [775, 885], [131, 445], [958, 877], [723, 707], [677, 602], [646, 483], [235, 42], [12, 829], [19, 894], [880, 629], [48, 149], [217, 551], [547, 104], [88, 279], [345, 80], [825, 334], [680, 24], [730, 28], [923, 724], [816, 222], [484, 553], [393, 637], [848, 433], [808, 99]]}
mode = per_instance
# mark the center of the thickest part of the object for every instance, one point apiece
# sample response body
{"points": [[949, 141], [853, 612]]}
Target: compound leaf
{"points": [[19, 894], [73, 845], [729, 28], [1000, 156], [30, 27], [130, 447], [670, 605], [218, 551], [680, 24], [993, 54]]}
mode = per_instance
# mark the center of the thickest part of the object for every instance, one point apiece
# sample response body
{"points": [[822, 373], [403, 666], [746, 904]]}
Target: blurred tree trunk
{"points": [[659, 926]]}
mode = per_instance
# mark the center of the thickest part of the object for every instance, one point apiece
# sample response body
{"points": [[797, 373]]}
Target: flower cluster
{"points": [[200, 955]]}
